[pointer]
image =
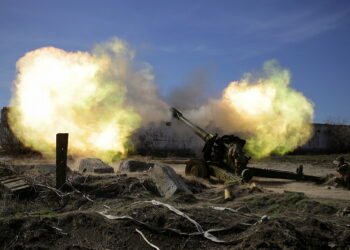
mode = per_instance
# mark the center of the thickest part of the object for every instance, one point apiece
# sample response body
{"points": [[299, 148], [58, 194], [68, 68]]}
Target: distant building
{"points": [[328, 138], [165, 140]]}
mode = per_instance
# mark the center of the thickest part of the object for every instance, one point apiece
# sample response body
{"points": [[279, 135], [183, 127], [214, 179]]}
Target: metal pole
{"points": [[61, 159]]}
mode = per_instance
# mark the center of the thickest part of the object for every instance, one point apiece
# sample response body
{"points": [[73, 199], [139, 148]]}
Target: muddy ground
{"points": [[112, 211]]}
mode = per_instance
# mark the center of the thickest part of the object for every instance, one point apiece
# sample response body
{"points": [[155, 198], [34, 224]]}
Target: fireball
{"points": [[276, 117], [79, 93]]}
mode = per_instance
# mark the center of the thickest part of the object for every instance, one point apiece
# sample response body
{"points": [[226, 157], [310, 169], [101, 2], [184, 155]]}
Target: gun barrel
{"points": [[205, 136], [279, 174]]}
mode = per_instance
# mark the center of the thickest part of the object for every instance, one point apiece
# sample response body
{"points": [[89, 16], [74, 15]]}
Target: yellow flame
{"points": [[75, 92], [277, 117], [262, 98]]}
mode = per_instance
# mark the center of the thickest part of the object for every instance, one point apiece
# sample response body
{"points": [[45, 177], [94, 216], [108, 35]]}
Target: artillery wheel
{"points": [[197, 168], [247, 175]]}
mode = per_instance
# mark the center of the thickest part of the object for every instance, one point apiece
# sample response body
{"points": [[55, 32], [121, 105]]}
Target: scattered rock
{"points": [[94, 165], [344, 212], [167, 181], [135, 166], [264, 218], [332, 245]]}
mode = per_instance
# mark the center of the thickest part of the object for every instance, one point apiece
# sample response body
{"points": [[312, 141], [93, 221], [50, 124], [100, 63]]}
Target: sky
{"points": [[180, 38]]}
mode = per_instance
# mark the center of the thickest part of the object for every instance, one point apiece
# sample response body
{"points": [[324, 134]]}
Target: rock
{"points": [[167, 181], [264, 218], [94, 165], [135, 166], [332, 245], [344, 212]]}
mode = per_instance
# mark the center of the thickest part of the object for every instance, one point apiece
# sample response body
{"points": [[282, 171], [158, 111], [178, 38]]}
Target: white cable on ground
{"points": [[148, 242]]}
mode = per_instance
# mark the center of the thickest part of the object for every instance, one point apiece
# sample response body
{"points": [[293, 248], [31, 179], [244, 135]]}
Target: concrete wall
{"points": [[163, 140], [328, 138]]}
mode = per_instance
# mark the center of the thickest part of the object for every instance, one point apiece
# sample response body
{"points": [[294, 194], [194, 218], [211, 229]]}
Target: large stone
{"points": [[94, 165], [135, 166], [167, 181]]}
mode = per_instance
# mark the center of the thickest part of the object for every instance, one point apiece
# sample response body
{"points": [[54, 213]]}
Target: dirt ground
{"points": [[120, 211]]}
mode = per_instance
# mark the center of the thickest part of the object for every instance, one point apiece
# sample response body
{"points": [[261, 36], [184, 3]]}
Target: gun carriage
{"points": [[224, 158]]}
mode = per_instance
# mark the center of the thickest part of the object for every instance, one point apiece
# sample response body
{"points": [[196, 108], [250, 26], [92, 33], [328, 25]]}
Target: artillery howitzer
{"points": [[225, 159]]}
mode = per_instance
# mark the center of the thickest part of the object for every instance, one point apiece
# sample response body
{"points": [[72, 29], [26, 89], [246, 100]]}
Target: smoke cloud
{"points": [[193, 93], [264, 109], [100, 98]]}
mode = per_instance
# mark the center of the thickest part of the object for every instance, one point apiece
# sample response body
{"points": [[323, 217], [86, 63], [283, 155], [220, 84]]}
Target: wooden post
{"points": [[61, 159]]}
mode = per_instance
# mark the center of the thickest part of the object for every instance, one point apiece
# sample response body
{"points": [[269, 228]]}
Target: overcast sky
{"points": [[223, 38]]}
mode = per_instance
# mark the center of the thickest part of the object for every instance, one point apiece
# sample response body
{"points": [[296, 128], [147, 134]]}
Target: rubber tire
{"points": [[246, 175], [197, 168]]}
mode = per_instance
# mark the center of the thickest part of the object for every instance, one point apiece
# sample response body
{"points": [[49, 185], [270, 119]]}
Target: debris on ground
{"points": [[131, 210], [94, 165], [12, 184], [135, 166], [167, 181]]}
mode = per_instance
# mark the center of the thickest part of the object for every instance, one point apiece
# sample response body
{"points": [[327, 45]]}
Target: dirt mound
{"points": [[298, 234], [90, 230], [69, 231], [110, 211], [195, 185], [287, 204], [110, 186]]}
